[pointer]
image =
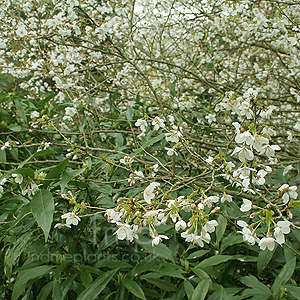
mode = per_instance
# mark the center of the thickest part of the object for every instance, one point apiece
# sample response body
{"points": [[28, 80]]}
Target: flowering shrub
{"points": [[159, 128]]}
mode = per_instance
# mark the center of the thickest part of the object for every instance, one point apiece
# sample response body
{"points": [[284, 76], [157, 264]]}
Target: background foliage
{"points": [[75, 78]]}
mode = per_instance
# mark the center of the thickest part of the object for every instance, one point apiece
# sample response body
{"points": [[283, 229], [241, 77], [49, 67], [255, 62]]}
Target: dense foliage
{"points": [[149, 149]]}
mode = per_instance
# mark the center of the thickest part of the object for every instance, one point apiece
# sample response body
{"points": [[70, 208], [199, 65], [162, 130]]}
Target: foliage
{"points": [[149, 150]]}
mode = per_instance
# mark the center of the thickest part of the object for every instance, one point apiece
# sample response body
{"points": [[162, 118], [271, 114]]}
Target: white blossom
{"points": [[158, 123], [180, 225], [267, 242], [18, 178], [246, 206], [149, 193], [71, 218]]}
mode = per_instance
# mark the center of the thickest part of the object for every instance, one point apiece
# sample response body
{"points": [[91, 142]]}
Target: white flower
{"points": [[279, 235], [269, 151], [21, 31], [18, 178], [282, 228], [260, 177], [71, 218], [245, 137], [267, 242], [246, 206], [209, 160], [242, 223], [243, 153], [6, 145], [259, 141], [60, 225], [210, 118], [112, 215], [248, 235], [125, 232], [180, 225], [149, 192], [210, 226], [136, 175], [226, 198], [297, 126], [158, 123], [171, 151], [173, 136], [127, 160], [35, 114], [1, 191], [70, 111], [250, 93], [290, 136], [157, 239], [155, 168], [192, 238], [287, 169], [210, 200], [288, 191], [31, 189], [205, 236], [142, 124]]}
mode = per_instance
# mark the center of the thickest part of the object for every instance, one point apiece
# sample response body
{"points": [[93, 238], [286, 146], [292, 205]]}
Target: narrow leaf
{"points": [[220, 229], [97, 286], [201, 290], [67, 176], [56, 171], [133, 287], [189, 289], [42, 207], [40, 153], [294, 290], [285, 274], [264, 258], [214, 260], [25, 276]]}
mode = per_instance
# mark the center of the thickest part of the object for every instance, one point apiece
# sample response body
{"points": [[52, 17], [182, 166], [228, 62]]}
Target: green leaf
{"points": [[197, 254], [263, 259], [223, 295], [143, 265], [25, 172], [285, 274], [14, 127], [220, 229], [201, 290], [45, 291], [56, 292], [150, 142], [200, 273], [105, 189], [40, 153], [162, 284], [42, 208], [160, 250], [56, 171], [133, 287], [27, 275], [231, 239], [68, 175], [294, 290], [44, 101], [97, 286], [18, 247], [189, 289], [214, 260], [257, 288]]}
